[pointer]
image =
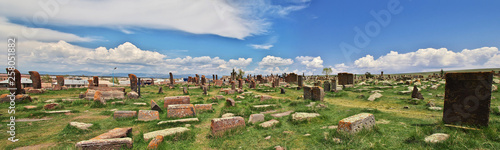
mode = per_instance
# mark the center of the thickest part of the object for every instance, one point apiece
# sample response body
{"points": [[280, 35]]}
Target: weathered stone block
{"points": [[356, 123], [155, 142], [181, 110], [203, 107], [269, 123], [124, 114], [300, 116], [165, 132], [467, 98], [179, 120], [116, 143], [221, 125], [307, 92], [254, 118], [115, 133], [176, 100], [50, 106], [317, 93], [230, 102], [148, 115]]}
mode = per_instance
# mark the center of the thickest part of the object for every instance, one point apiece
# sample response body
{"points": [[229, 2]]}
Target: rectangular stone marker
{"points": [[96, 81], [116, 143], [133, 82], [148, 115], [467, 98], [326, 86], [307, 92], [317, 93], [202, 107], [218, 82], [176, 100], [124, 114], [171, 79], [356, 123], [221, 125], [346, 78], [181, 110], [165, 132]]}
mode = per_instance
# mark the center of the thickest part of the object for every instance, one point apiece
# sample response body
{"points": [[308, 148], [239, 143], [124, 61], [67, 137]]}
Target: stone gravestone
{"points": [[345, 78], [300, 81], [240, 83], [467, 98], [283, 91], [416, 94], [233, 86], [317, 93], [35, 78], [160, 90], [60, 83], [91, 84], [333, 85], [16, 87], [203, 79], [96, 81], [133, 82], [171, 79], [326, 86], [307, 92]]}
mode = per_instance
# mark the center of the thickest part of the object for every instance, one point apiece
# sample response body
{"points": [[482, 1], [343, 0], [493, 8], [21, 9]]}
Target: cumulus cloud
{"points": [[40, 34], [272, 61], [430, 58], [310, 62], [233, 19]]}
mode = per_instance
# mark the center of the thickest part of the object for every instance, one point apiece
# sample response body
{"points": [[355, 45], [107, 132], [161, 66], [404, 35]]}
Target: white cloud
{"points": [[272, 61], [234, 19], [256, 46], [40, 34], [310, 62], [424, 59]]}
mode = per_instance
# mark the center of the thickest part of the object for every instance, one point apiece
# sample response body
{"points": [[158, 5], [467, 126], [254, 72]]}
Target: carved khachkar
{"points": [[467, 98], [15, 79], [133, 82], [35, 78]]}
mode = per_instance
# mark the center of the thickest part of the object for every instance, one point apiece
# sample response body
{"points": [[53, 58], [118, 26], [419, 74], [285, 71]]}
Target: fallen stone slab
{"points": [[435, 108], [176, 100], [221, 125], [50, 106], [180, 110], [263, 106], [115, 143], [278, 115], [226, 115], [374, 96], [179, 120], [269, 123], [124, 114], [299, 116], [436, 138], [57, 111], [81, 125], [269, 111], [203, 107], [30, 107], [155, 142], [148, 115], [254, 118], [31, 120], [140, 104], [265, 97], [356, 123], [115, 133], [165, 132]]}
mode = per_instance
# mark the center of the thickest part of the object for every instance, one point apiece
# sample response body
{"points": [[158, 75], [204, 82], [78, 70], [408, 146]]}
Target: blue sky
{"points": [[260, 37]]}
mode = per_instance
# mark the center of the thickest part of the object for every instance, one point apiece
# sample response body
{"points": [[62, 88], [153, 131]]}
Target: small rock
{"points": [[187, 125], [279, 148], [374, 96], [436, 138], [435, 108], [30, 107], [307, 134], [267, 138], [226, 115], [337, 140]]}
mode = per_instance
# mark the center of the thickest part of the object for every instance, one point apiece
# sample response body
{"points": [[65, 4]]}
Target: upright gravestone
{"points": [[96, 81], [467, 98], [240, 83], [326, 86], [14, 86], [300, 81], [35, 78], [233, 86], [60, 80], [133, 82], [139, 86], [333, 85], [171, 79], [91, 83], [203, 80]]}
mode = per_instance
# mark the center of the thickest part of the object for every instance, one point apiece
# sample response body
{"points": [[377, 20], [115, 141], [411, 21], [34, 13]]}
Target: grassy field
{"points": [[397, 128]]}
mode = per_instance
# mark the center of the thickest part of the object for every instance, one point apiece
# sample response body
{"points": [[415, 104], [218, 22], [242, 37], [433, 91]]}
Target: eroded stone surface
{"points": [[148, 115], [181, 110], [165, 132], [299, 116], [179, 120], [254, 118], [436, 138], [176, 100], [155, 142], [115, 133], [124, 114], [81, 125], [203, 107], [356, 123], [115, 143], [286, 113], [221, 125], [269, 123]]}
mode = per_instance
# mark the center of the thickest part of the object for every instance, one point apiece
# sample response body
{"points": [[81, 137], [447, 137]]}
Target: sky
{"points": [[258, 36]]}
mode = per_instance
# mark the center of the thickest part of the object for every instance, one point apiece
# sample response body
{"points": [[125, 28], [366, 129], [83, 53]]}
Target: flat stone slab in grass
{"points": [[115, 133], [155, 142], [436, 138], [140, 104], [81, 125], [50, 101], [221, 125], [254, 118], [357, 122], [181, 110], [115, 143], [179, 120], [374, 96], [269, 123], [31, 120], [202, 107], [57, 111], [165, 132], [269, 111], [263, 106], [124, 114], [148, 115], [175, 100], [50, 106], [286, 113], [227, 115], [299, 116], [265, 97], [30, 107]]}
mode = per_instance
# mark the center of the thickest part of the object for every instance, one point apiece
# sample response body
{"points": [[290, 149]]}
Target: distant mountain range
{"points": [[139, 75]]}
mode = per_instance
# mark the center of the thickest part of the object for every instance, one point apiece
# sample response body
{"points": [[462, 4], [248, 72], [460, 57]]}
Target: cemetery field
{"points": [[401, 122]]}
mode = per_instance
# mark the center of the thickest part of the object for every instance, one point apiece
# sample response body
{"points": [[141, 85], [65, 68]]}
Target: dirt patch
{"points": [[39, 146]]}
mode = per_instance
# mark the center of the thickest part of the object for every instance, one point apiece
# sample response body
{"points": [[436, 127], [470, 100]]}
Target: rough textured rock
{"points": [[221, 125], [299, 116], [176, 100], [179, 120], [133, 95], [467, 98], [30, 107], [181, 110], [374, 96], [115, 133], [148, 115], [254, 118], [154, 106], [81, 125], [124, 114], [98, 97], [230, 102], [50, 106], [20, 97], [436, 138], [282, 114], [307, 92], [356, 123], [115, 143], [165, 132], [155, 142], [226, 115], [269, 123], [416, 94], [133, 82], [35, 78], [203, 107], [265, 97], [317, 93]]}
